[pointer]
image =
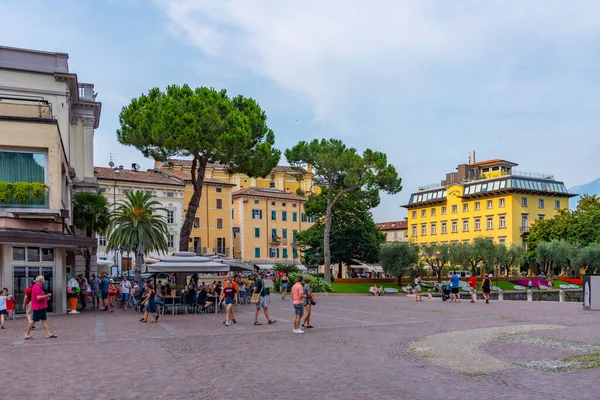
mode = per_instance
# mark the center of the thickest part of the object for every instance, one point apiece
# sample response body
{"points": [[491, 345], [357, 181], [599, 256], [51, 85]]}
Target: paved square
{"points": [[362, 347]]}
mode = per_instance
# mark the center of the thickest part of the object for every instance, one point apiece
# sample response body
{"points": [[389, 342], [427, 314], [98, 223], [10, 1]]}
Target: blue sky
{"points": [[424, 81]]}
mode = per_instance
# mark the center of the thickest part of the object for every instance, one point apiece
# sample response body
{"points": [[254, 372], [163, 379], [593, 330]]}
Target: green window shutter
{"points": [[294, 216], [274, 232], [278, 252], [295, 253], [284, 215], [256, 232], [274, 215], [260, 214], [257, 252], [285, 253], [284, 233]]}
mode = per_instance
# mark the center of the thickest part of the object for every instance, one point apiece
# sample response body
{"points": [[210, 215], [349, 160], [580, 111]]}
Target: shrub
{"points": [[317, 283]]}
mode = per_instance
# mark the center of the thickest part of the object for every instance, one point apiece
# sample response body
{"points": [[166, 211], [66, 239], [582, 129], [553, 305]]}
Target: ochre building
{"points": [[484, 199]]}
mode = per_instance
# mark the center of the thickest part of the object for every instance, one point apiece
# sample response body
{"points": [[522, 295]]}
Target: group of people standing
{"points": [[303, 300]]}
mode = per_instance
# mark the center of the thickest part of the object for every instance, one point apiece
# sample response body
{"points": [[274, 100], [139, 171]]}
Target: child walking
{"points": [[3, 298]]}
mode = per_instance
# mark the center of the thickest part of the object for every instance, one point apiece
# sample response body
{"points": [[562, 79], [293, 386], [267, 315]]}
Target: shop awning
{"points": [[52, 239], [186, 261]]}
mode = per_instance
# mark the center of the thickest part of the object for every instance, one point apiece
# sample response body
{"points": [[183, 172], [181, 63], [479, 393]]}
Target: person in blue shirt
{"points": [[104, 291], [454, 284]]}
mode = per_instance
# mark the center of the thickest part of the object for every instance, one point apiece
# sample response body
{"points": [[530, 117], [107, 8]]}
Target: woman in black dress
{"points": [[486, 287]]}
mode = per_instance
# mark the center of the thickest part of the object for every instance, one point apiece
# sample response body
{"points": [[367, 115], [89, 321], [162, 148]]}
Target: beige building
{"points": [[47, 122], [265, 223], [115, 183], [396, 231]]}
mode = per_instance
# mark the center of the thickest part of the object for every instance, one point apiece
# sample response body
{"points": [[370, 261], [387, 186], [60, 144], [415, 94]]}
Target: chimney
{"points": [[120, 167], [134, 167], [472, 158]]}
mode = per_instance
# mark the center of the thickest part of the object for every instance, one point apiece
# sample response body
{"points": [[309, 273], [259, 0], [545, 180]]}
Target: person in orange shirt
{"points": [[298, 300], [473, 288]]}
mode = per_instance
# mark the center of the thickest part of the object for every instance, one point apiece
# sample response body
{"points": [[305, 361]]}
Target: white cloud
{"points": [[327, 50]]}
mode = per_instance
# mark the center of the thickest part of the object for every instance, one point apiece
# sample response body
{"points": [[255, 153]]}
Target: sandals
{"points": [[29, 338], [143, 320], [51, 337], [309, 327], [257, 323], [271, 321]]}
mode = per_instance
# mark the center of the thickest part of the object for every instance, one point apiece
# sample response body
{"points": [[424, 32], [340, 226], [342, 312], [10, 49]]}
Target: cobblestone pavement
{"points": [[360, 348]]}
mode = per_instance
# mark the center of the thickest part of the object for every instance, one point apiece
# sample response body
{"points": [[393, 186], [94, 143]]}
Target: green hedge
{"points": [[317, 284]]}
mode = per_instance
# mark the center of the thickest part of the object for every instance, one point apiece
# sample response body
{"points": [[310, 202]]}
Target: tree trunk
{"points": [[87, 255], [139, 260], [198, 172], [326, 250]]}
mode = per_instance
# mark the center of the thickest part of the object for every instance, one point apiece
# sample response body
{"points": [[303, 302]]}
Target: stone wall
{"points": [[574, 295]]}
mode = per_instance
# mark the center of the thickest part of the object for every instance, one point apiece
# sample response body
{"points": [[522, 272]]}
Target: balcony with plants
{"points": [[23, 195]]}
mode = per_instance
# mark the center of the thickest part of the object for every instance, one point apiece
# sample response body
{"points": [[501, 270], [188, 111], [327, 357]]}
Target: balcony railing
{"points": [[275, 240], [524, 229], [41, 202]]}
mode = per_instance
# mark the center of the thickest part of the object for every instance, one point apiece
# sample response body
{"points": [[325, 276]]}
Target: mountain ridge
{"points": [[590, 188]]}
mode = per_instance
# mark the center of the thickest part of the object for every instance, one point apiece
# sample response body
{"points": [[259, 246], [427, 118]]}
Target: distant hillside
{"points": [[592, 188]]}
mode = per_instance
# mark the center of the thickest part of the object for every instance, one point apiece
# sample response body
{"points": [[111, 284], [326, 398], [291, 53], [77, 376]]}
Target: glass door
{"points": [[22, 277]]}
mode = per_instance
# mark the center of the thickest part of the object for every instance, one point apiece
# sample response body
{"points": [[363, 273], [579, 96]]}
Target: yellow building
{"points": [[212, 231], [265, 223], [282, 177], [484, 199]]}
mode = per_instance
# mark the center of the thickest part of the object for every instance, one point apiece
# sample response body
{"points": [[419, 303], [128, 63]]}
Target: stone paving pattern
{"points": [[360, 349]]}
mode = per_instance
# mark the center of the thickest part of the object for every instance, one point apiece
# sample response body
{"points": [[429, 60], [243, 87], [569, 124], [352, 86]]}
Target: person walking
{"points": [[112, 295], [104, 291], [4, 297], [284, 285], [230, 282], [298, 301], [39, 304], [27, 302], [473, 288], [125, 291], [309, 301], [95, 285], [417, 288], [454, 284], [259, 288], [485, 287], [148, 299], [228, 294]]}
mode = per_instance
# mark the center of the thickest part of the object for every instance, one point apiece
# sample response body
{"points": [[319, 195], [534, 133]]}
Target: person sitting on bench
{"points": [[374, 290]]}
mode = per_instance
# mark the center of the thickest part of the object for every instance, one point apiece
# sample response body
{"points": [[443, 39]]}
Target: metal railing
{"points": [[536, 175], [432, 186], [43, 202]]}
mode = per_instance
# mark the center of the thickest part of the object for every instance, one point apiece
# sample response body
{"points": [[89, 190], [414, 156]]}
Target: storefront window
{"points": [[47, 254], [33, 254], [19, 253]]}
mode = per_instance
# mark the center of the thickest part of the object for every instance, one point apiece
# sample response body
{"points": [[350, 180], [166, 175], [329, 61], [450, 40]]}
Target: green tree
{"points": [[437, 256], [343, 171], [91, 214], [554, 256], [589, 258], [285, 268], [483, 253], [398, 258], [509, 257], [354, 236], [204, 124], [137, 223], [460, 255]]}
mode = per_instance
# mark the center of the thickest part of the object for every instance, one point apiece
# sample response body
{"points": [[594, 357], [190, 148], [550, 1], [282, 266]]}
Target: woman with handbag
{"points": [[309, 301]]}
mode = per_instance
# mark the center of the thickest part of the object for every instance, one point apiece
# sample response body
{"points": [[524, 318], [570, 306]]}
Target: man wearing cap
{"points": [[259, 287]]}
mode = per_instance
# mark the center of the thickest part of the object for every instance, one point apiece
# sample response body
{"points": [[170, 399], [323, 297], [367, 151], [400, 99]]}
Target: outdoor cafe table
{"points": [[173, 301]]}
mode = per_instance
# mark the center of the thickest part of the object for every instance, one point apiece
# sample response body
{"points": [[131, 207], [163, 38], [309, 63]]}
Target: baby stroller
{"points": [[445, 292]]}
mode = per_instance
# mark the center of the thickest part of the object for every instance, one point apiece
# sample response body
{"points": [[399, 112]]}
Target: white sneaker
{"points": [[73, 312], [299, 331], [294, 331]]}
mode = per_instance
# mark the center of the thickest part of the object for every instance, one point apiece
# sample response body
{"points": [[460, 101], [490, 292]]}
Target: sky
{"points": [[424, 81]]}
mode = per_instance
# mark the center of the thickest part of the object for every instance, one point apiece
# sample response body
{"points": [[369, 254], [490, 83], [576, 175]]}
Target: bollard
{"points": [[529, 295], [429, 295], [500, 295], [561, 296]]}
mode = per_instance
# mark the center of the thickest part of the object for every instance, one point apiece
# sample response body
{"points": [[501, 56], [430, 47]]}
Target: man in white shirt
{"points": [[125, 289]]}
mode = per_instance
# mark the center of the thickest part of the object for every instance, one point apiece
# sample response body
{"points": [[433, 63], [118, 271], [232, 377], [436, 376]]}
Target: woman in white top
{"points": [[417, 288]]}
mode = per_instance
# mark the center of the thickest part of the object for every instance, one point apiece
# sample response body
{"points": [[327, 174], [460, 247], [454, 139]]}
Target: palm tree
{"points": [[137, 224], [90, 213]]}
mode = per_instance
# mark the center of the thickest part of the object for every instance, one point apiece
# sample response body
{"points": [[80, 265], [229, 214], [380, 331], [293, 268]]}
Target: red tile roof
{"points": [[218, 166], [268, 193], [128, 175], [392, 226], [186, 175]]}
